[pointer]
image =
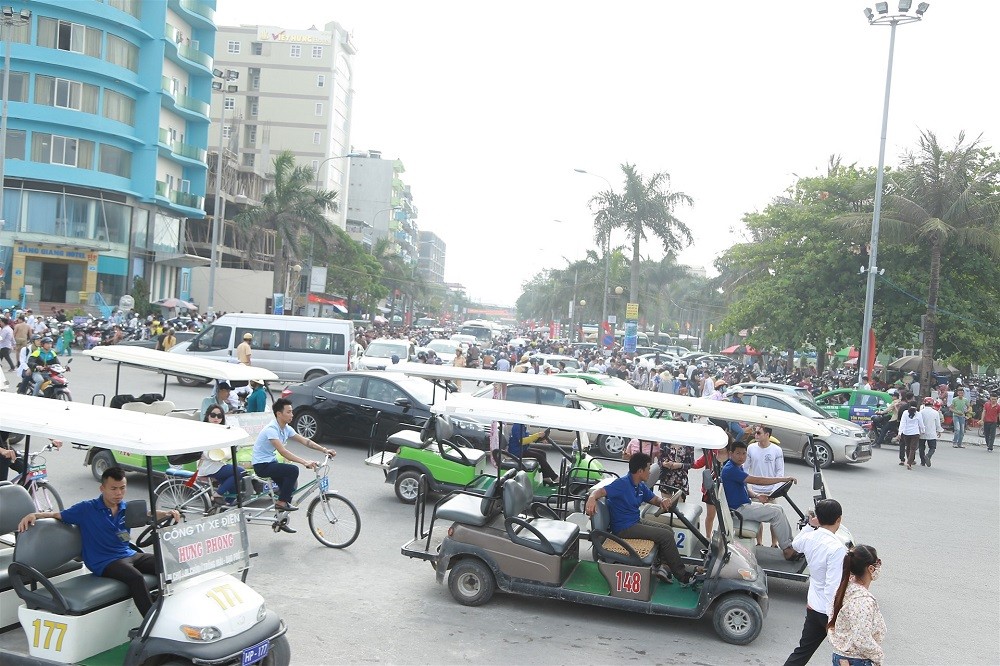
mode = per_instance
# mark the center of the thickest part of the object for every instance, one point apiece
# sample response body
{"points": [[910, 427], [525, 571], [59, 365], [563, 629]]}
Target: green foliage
{"points": [[140, 294]]}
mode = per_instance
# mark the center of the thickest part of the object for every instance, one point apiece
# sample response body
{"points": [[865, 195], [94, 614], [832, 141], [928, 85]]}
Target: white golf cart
{"points": [[660, 404], [204, 612]]}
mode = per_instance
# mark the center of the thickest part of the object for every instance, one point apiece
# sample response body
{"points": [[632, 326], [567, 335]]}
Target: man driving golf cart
{"points": [[624, 496]]}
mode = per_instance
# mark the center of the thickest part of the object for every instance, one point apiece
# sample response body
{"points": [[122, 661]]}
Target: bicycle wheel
{"points": [[174, 494], [334, 521], [46, 498]]}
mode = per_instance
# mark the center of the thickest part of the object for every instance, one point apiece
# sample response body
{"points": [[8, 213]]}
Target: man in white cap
{"points": [[243, 350]]}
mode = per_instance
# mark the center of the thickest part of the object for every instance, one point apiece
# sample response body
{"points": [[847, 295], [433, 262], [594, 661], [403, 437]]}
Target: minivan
{"points": [[294, 348], [380, 352]]}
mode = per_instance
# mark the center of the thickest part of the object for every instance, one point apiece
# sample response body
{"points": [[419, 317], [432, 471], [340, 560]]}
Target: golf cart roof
{"points": [[604, 422], [182, 365], [449, 372], [131, 432], [718, 409]]}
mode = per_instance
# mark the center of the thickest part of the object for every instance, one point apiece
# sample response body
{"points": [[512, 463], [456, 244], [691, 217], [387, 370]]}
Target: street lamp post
{"points": [[881, 16], [607, 243], [8, 20], [221, 83], [292, 286], [319, 167], [583, 303]]}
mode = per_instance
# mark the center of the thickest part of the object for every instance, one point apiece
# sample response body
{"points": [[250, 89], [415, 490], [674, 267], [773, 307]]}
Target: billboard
{"points": [[266, 33]]}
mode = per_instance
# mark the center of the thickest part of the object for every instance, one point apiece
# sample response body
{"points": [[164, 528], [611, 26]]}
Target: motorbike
{"points": [[54, 383]]}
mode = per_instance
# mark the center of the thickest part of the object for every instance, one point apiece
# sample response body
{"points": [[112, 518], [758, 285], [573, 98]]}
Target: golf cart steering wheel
{"points": [[781, 490], [145, 539]]}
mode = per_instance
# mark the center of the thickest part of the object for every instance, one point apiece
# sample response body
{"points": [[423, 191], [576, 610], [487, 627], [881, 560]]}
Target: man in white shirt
{"points": [[764, 458], [932, 431], [825, 555]]}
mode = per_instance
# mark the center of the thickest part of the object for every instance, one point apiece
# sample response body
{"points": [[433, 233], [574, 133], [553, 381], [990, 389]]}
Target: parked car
{"points": [[182, 336], [380, 352], [781, 388], [855, 405], [847, 443], [345, 405]]}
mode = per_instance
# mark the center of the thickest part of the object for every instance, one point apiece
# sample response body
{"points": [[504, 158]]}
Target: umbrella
{"points": [[913, 363], [741, 349], [171, 303], [847, 352]]}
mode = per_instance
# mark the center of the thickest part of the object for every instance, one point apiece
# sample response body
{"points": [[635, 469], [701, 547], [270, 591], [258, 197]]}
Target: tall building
{"points": [[105, 147], [294, 92], [380, 205], [432, 255]]}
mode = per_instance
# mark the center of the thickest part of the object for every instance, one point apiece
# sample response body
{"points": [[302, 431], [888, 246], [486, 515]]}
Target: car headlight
{"points": [[470, 425], [202, 634], [839, 430]]}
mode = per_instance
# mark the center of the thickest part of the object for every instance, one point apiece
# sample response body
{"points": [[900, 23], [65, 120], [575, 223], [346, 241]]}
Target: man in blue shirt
{"points": [[517, 445], [734, 482], [270, 442], [624, 496], [105, 538]]}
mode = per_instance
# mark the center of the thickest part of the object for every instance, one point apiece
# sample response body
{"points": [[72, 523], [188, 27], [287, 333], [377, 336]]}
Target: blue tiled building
{"points": [[108, 121]]}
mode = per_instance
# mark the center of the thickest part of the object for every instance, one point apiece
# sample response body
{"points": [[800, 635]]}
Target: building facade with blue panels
{"points": [[105, 157]]}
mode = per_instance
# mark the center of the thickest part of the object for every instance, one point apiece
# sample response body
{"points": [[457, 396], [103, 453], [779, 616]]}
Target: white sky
{"points": [[491, 106]]}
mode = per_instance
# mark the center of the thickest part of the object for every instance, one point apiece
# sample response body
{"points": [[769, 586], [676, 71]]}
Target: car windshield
{"points": [[420, 389], [386, 349], [811, 409], [443, 346]]}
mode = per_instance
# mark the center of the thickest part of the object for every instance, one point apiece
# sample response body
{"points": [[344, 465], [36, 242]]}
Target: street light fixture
{"points": [[8, 20], [891, 20], [219, 213]]}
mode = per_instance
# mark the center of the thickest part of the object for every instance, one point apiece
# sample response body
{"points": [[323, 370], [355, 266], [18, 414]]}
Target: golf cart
{"points": [[169, 365], [204, 612], [660, 404], [501, 540]]}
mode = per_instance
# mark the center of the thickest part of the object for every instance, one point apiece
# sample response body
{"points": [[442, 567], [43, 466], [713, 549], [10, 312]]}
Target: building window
{"points": [[319, 108], [16, 140], [316, 136], [256, 48], [295, 50], [115, 161], [186, 186], [254, 106], [315, 167], [233, 47], [56, 149], [66, 94], [67, 36], [18, 84], [123, 53], [254, 75], [229, 103], [249, 159], [320, 80], [317, 52], [119, 107], [251, 135], [227, 131], [132, 7]]}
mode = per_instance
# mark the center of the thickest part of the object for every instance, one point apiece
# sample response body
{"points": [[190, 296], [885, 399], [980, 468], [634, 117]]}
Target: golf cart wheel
{"points": [[824, 455], [737, 619], [185, 381], [471, 583], [307, 425], [408, 486], [279, 653], [611, 446], [100, 463]]}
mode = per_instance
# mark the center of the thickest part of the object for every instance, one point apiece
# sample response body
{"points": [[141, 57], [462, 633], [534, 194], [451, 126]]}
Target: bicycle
{"points": [[332, 518], [34, 479]]}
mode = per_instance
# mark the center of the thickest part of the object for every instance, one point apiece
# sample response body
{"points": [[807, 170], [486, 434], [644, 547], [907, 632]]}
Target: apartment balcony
{"points": [[195, 11], [185, 199], [182, 150], [184, 104], [192, 59]]}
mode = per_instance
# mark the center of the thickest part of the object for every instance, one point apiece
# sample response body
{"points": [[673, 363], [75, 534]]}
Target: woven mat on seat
{"points": [[642, 546]]}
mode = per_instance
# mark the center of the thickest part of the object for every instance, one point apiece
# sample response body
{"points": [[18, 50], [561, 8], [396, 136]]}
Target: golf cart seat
{"points": [[15, 504], [473, 509], [744, 528], [691, 512], [50, 544], [461, 454], [527, 464], [614, 549], [160, 408], [546, 535], [410, 438]]}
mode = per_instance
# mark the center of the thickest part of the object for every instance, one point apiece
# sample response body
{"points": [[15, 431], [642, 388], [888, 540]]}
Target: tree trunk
{"points": [[930, 321], [633, 287], [791, 361]]}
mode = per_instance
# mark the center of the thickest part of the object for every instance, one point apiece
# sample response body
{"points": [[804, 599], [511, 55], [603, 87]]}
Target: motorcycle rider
{"points": [[39, 361]]}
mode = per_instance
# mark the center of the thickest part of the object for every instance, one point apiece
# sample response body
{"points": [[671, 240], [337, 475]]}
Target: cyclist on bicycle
{"points": [[271, 442], [39, 361], [11, 459]]}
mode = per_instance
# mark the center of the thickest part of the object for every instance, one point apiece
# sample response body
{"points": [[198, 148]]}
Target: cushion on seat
{"points": [[517, 497], [560, 533], [609, 550], [746, 529], [473, 456], [8, 557], [409, 438], [689, 510], [527, 464], [87, 593], [642, 547], [465, 509]]}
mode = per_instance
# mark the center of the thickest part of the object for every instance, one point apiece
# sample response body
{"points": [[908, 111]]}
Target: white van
{"points": [[294, 348], [380, 352]]}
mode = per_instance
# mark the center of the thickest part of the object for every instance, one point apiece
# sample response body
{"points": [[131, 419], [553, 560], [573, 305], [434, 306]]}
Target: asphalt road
{"points": [[936, 531]]}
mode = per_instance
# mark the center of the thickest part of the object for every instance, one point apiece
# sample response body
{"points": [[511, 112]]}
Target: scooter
{"points": [[54, 383]]}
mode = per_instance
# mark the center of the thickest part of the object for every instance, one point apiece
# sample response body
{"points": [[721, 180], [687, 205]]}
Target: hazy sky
{"points": [[491, 106]]}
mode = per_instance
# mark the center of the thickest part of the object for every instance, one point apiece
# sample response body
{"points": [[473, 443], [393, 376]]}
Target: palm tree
{"points": [[645, 207], [939, 196], [293, 209]]}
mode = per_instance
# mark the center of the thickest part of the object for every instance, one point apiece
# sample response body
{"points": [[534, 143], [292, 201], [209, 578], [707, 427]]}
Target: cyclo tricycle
{"points": [[204, 611], [501, 540]]}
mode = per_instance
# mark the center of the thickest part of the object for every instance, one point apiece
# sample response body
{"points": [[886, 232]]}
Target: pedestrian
{"points": [[932, 431], [961, 409], [22, 331], [857, 628], [7, 343], [991, 415], [911, 427], [244, 350], [825, 554]]}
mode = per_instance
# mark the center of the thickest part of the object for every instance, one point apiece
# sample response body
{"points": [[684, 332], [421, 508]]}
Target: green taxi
{"points": [[856, 405]]}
